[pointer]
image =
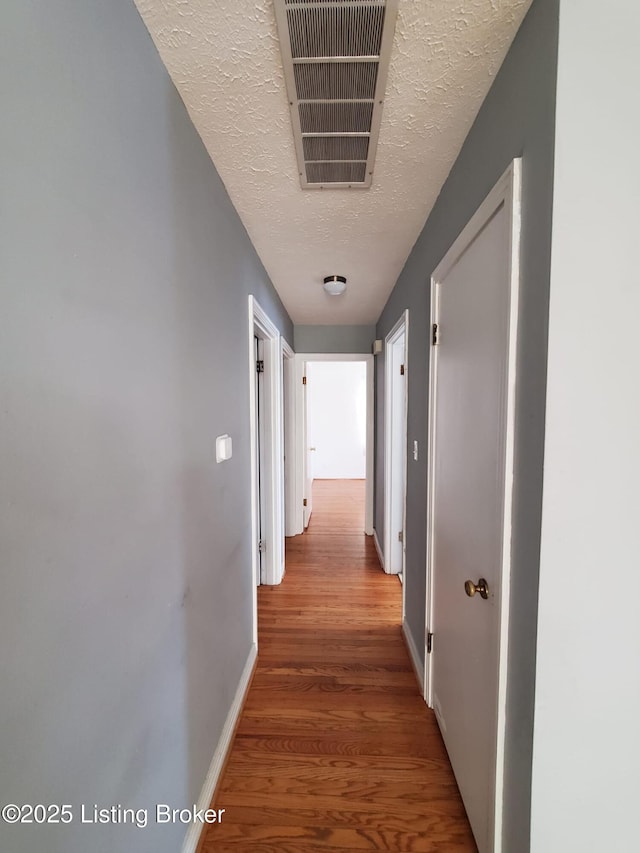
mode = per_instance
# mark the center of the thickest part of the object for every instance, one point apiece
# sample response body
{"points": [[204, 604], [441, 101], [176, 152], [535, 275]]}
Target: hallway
{"points": [[335, 749]]}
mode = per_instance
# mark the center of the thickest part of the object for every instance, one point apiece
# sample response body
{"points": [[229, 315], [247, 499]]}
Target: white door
{"points": [[308, 456], [472, 399]]}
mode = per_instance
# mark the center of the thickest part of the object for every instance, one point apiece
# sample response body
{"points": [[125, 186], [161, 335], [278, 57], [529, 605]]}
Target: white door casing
{"points": [[307, 500], [471, 446], [271, 489], [261, 454], [301, 439], [289, 436], [395, 444]]}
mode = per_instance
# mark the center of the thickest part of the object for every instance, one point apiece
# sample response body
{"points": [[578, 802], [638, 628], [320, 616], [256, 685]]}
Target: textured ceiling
{"points": [[224, 59]]}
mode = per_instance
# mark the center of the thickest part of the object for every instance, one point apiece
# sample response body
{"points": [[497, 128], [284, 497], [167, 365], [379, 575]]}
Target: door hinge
{"points": [[304, 380], [429, 642], [434, 334], [402, 370], [304, 502], [262, 547], [260, 366], [401, 536]]}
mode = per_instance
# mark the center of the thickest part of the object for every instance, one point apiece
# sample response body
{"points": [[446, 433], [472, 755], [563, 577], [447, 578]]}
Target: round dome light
{"points": [[335, 284]]}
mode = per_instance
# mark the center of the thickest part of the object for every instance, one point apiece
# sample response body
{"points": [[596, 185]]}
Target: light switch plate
{"points": [[224, 448]]}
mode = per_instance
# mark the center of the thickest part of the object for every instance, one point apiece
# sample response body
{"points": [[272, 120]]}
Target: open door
{"points": [[474, 312], [308, 457], [395, 450]]}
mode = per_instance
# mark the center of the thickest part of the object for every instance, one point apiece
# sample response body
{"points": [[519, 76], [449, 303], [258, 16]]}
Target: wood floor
{"points": [[335, 749]]}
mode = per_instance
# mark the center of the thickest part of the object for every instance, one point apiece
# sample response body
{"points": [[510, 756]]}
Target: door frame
{"points": [[289, 436], [390, 378], [261, 326], [506, 192], [297, 399], [260, 455]]}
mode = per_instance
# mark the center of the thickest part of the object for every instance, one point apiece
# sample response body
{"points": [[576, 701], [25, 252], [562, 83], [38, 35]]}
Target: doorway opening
{"points": [[267, 351], [333, 398], [336, 433]]}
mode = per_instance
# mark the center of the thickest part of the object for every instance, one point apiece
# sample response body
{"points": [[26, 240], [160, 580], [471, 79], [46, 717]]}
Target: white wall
{"points": [[587, 708], [336, 400]]}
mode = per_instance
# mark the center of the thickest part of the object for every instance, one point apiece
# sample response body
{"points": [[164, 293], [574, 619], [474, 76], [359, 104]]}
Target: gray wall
{"points": [[125, 612], [333, 339], [517, 118]]}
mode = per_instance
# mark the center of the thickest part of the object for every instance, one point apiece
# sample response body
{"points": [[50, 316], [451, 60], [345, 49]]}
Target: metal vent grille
{"points": [[335, 173], [335, 55], [335, 29], [350, 117], [335, 148], [317, 81]]}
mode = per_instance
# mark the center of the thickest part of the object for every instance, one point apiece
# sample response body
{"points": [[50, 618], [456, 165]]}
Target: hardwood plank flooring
{"points": [[335, 749]]}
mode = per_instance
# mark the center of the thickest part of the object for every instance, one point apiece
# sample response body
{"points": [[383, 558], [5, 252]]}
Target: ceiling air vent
{"points": [[336, 55]]}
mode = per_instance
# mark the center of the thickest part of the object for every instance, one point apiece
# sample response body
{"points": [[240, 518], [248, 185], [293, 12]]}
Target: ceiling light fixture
{"points": [[335, 284]]}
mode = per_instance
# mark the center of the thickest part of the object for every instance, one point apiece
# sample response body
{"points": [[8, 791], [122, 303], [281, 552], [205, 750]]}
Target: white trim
{"points": [[273, 526], [287, 351], [192, 837], [416, 663], [298, 404], [431, 429], [507, 192], [368, 497], [513, 194], [289, 438], [400, 327], [376, 542]]}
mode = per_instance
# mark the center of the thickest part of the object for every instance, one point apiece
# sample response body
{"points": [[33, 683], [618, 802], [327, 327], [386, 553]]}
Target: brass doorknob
{"points": [[482, 587]]}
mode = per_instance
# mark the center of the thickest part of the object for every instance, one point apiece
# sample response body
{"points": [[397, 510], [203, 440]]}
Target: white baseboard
{"points": [[376, 542], [192, 837], [415, 657]]}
